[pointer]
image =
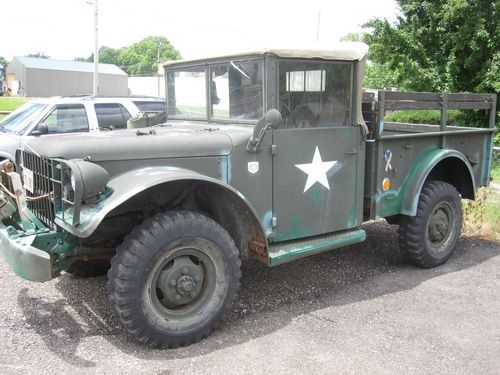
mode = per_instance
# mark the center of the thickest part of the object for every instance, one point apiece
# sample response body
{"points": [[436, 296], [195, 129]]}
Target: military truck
{"points": [[264, 155]]}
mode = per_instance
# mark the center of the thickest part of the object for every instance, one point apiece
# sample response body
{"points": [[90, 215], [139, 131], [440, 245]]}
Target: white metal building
{"points": [[36, 77]]}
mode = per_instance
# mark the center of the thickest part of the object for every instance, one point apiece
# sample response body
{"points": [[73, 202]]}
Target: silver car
{"points": [[50, 117]]}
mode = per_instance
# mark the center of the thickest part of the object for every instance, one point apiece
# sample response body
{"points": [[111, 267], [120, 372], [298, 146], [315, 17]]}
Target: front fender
{"points": [[129, 184], [6, 155], [421, 169]]}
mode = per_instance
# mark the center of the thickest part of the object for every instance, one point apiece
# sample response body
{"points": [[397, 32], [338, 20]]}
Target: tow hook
{"points": [[7, 208]]}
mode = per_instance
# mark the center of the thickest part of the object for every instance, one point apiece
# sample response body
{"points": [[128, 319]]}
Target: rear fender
{"points": [[420, 172]]}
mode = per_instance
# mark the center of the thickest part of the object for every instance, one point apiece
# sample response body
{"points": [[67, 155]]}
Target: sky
{"points": [[64, 29]]}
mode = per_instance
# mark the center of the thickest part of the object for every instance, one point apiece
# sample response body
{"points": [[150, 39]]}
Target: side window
{"points": [[236, 90], [186, 93], [111, 115], [315, 94], [67, 119]]}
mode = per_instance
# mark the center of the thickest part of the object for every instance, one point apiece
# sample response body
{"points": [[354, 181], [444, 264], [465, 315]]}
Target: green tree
{"points": [[3, 63], [353, 37], [141, 57], [138, 59], [107, 55], [436, 45], [40, 55], [377, 75]]}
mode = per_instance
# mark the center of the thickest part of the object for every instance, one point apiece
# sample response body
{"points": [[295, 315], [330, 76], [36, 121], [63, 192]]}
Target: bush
{"points": [[482, 216], [422, 116], [495, 172]]}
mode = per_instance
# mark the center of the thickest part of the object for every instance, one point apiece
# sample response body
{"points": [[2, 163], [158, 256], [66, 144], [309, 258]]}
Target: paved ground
{"points": [[358, 310]]}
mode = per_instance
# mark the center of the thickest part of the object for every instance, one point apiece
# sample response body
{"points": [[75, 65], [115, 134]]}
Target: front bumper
{"points": [[27, 261]]}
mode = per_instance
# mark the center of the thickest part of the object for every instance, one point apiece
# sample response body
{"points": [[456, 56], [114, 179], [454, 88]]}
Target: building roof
{"points": [[73, 66], [346, 51]]}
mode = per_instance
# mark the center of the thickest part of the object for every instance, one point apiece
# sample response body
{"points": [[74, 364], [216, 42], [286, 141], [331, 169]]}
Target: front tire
{"points": [[429, 238], [90, 268], [173, 278]]}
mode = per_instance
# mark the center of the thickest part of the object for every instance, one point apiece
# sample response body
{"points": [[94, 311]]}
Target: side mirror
{"points": [[40, 130], [271, 120]]}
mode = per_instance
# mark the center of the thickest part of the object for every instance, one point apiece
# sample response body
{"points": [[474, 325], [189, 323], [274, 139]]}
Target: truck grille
{"points": [[42, 184]]}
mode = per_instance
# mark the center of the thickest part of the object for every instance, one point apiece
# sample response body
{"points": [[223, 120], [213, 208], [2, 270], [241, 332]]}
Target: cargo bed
{"points": [[393, 150]]}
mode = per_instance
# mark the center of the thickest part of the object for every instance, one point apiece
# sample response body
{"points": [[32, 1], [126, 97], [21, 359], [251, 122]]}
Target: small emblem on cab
{"points": [[253, 167]]}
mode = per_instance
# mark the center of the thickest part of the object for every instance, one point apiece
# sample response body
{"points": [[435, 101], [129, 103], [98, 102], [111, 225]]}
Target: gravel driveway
{"points": [[361, 309]]}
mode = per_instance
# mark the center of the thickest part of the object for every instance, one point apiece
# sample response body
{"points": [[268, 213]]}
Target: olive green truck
{"points": [[264, 155]]}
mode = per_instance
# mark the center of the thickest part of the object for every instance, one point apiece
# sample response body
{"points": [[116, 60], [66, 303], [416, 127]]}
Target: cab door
{"points": [[315, 150]]}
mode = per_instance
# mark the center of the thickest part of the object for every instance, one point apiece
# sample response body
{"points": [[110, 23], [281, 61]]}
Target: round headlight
{"points": [[87, 179], [72, 179]]}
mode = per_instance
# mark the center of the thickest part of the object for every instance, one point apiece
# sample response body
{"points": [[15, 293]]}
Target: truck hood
{"points": [[184, 139]]}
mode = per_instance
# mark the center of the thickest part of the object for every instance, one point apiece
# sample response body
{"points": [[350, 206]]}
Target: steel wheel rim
{"points": [[440, 226], [162, 291]]}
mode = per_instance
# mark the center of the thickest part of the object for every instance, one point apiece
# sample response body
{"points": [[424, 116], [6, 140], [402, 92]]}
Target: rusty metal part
{"points": [[6, 166], [258, 247]]}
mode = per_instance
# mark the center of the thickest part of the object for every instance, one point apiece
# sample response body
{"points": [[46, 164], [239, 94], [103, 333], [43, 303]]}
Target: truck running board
{"points": [[286, 251]]}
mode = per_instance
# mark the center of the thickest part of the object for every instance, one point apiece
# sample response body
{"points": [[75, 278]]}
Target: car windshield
{"points": [[19, 120], [234, 89]]}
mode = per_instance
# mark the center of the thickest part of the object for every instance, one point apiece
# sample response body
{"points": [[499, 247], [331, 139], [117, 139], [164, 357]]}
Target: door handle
{"points": [[353, 152]]}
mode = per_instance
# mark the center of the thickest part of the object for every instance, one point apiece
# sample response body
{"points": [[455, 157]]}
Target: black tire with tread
{"points": [[413, 241], [91, 268], [133, 263]]}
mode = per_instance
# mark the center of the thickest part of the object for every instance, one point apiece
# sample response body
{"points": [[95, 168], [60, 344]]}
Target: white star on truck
{"points": [[316, 170]]}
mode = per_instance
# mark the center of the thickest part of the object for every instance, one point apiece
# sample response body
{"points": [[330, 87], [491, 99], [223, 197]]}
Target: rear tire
{"points": [[173, 278], [429, 238]]}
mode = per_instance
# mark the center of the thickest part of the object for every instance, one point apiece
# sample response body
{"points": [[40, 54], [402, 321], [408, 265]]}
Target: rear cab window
{"points": [[111, 115]]}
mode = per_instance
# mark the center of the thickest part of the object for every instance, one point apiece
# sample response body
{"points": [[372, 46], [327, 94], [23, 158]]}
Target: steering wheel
{"points": [[301, 117], [304, 117], [286, 113]]}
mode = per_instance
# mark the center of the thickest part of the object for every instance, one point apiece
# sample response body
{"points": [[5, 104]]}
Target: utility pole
{"points": [[317, 30], [158, 68], [96, 52]]}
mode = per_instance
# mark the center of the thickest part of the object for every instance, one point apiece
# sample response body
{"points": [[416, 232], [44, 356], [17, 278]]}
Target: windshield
{"points": [[21, 118], [234, 89]]}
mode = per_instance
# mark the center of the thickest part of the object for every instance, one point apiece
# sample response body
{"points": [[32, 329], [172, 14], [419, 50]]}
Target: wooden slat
{"points": [[469, 105], [412, 105], [470, 97], [425, 96], [368, 95]]}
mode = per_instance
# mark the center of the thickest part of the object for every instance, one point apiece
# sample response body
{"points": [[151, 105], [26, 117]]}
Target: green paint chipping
{"points": [[26, 261], [295, 230], [390, 203], [286, 252], [317, 196]]}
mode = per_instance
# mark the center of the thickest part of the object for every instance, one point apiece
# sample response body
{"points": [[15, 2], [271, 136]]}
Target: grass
{"points": [[11, 103], [495, 172], [482, 216]]}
